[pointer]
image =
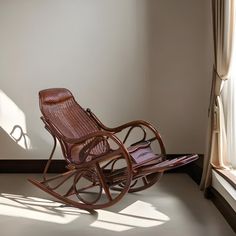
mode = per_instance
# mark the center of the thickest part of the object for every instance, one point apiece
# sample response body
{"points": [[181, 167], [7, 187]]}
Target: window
{"points": [[229, 101]]}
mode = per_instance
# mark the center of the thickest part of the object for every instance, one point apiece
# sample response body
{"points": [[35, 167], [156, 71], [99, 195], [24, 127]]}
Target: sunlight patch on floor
{"points": [[36, 209], [140, 214]]}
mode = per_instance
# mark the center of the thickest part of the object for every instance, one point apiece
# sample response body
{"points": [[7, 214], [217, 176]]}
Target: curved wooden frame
{"points": [[102, 166]]}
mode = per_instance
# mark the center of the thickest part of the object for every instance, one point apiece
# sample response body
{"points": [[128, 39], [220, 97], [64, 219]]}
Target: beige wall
{"points": [[115, 56], [181, 65]]}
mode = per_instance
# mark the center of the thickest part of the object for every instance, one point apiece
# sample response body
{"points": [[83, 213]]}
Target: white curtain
{"points": [[229, 103], [216, 152]]}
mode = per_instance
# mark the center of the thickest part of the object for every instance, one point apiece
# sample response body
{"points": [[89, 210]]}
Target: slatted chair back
{"points": [[66, 119]]}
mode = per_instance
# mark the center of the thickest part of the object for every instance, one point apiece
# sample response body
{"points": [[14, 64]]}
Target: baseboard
{"points": [[194, 169], [223, 206], [31, 166]]}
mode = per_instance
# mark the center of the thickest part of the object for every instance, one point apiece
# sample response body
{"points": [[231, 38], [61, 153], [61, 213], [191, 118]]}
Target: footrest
{"points": [[170, 164]]}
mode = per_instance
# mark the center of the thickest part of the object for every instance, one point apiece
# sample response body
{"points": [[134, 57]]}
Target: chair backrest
{"points": [[70, 120], [60, 108]]}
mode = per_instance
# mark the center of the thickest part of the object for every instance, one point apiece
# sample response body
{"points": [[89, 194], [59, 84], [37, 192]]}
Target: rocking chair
{"points": [[101, 168]]}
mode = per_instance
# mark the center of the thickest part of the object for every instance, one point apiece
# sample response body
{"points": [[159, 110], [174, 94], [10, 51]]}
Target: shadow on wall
{"points": [[19, 136], [13, 130]]}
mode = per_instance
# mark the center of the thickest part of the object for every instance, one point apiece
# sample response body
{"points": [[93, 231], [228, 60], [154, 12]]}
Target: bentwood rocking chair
{"points": [[101, 168]]}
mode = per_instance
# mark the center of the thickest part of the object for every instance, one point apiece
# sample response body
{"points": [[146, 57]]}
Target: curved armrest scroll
{"points": [[135, 123]]}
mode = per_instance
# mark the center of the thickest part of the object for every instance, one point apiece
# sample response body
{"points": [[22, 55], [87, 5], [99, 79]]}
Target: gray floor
{"points": [[174, 206]]}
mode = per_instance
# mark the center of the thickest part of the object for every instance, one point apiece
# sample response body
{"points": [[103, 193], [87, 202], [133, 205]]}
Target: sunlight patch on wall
{"points": [[13, 122]]}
